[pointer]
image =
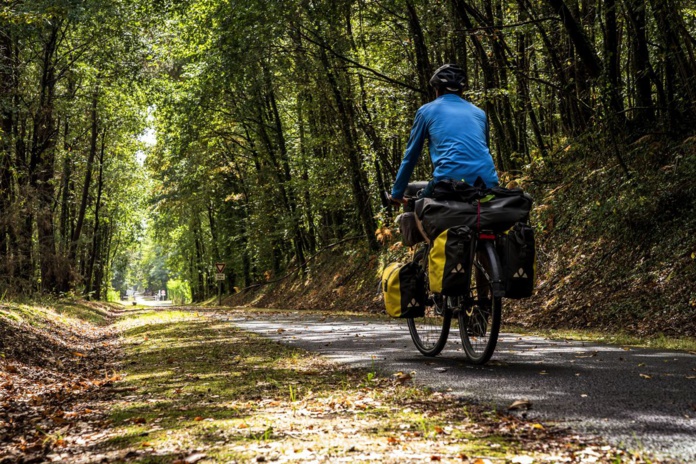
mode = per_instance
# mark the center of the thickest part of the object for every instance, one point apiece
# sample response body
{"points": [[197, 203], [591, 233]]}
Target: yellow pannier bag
{"points": [[403, 287], [449, 264]]}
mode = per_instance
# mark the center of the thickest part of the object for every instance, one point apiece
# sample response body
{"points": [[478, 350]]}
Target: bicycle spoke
{"points": [[429, 333], [479, 320]]}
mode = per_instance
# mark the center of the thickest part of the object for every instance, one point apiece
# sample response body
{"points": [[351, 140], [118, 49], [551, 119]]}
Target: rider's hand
{"points": [[398, 200]]}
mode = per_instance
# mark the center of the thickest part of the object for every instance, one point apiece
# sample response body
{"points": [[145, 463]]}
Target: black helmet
{"points": [[449, 76]]}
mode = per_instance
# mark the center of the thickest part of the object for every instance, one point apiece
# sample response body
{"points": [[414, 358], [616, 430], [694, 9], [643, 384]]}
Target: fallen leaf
{"points": [[402, 377], [393, 440], [11, 368], [520, 404], [435, 458], [280, 331], [193, 458], [646, 376], [198, 418], [139, 420], [78, 354], [538, 426], [482, 461]]}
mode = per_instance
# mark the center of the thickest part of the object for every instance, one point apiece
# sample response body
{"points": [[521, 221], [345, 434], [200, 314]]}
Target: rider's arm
{"points": [[413, 151]]}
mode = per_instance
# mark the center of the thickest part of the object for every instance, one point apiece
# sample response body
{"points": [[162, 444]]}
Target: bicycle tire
{"points": [[430, 332], [479, 320]]}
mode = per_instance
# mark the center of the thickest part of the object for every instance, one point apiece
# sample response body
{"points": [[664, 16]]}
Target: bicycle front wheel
{"points": [[429, 333], [479, 318]]}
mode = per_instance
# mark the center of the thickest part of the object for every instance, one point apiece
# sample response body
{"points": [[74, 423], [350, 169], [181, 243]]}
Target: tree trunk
{"points": [[679, 69], [583, 46], [298, 241], [360, 194], [53, 272], [7, 85], [641, 69], [422, 62], [88, 176], [612, 59], [96, 237]]}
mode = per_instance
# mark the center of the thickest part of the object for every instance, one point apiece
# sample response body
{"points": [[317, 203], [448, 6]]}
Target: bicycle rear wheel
{"points": [[429, 333], [479, 319]]}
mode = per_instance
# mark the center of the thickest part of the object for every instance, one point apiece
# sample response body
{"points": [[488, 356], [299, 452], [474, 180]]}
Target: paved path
{"points": [[637, 398]]}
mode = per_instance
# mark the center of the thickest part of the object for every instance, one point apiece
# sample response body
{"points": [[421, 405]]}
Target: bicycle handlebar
{"points": [[388, 201]]}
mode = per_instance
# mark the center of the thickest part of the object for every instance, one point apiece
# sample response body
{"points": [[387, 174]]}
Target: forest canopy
{"points": [[279, 122]]}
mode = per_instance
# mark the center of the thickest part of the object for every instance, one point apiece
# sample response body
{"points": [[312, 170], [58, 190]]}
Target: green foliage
{"points": [[179, 291], [113, 295]]}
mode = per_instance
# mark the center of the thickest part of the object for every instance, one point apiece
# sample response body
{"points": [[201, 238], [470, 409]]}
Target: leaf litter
{"points": [[55, 370]]}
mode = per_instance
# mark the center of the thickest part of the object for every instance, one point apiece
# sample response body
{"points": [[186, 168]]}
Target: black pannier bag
{"points": [[517, 254], [494, 210], [448, 262], [403, 287], [410, 234]]}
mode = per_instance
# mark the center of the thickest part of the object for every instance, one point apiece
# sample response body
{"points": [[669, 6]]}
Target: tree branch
{"points": [[359, 65]]}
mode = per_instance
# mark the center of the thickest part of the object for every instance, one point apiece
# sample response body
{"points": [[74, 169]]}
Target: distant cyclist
{"points": [[457, 133]]}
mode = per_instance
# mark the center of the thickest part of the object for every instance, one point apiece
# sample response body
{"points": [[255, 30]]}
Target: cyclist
{"points": [[457, 132]]}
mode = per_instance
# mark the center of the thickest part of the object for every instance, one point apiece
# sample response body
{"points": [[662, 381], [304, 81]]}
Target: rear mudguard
{"points": [[489, 258]]}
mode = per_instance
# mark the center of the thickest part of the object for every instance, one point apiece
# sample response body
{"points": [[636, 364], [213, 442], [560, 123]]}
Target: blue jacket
{"points": [[457, 132]]}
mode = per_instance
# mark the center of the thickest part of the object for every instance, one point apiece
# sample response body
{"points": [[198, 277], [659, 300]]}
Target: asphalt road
{"points": [[634, 398]]}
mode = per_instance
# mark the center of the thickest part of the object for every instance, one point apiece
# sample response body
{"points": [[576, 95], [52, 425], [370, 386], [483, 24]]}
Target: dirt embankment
{"points": [[56, 360], [342, 279]]}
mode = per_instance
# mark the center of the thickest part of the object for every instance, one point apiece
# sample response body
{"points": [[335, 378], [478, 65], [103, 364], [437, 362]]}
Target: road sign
{"points": [[220, 276], [220, 268]]}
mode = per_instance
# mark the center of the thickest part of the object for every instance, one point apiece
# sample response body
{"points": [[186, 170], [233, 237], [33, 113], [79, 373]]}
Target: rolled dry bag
{"points": [[403, 287], [448, 262], [517, 254], [496, 210], [410, 234], [437, 216]]}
